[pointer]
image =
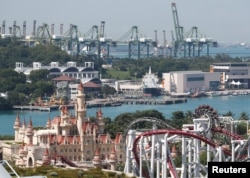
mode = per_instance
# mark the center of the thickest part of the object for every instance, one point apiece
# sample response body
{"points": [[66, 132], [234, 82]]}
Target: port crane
{"points": [[70, 40], [135, 43], [179, 41], [189, 42], [43, 35], [94, 42]]}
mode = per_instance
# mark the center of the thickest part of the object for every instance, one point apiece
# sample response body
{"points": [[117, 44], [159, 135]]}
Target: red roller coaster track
{"points": [[171, 132]]}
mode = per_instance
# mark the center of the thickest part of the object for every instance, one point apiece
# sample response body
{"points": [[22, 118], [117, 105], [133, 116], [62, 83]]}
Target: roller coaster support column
{"points": [[220, 153], [190, 142], [152, 150], [183, 157], [165, 156], [141, 157], [233, 153], [129, 155], [158, 160]]}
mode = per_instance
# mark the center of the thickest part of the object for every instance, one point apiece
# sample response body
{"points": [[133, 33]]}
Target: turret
{"points": [[29, 133], [80, 109], [16, 127], [48, 124], [65, 120], [97, 162], [112, 159], [46, 160], [100, 121]]}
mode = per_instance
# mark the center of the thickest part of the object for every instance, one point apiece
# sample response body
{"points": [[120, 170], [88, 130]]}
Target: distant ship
{"points": [[149, 84]]}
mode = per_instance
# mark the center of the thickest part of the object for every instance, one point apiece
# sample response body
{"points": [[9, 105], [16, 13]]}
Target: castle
{"points": [[68, 140]]}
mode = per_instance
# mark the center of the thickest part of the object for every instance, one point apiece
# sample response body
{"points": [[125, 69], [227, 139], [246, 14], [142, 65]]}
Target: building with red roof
{"points": [[70, 139]]}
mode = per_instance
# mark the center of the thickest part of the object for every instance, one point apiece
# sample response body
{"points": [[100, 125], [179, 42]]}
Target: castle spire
{"points": [[16, 127]]}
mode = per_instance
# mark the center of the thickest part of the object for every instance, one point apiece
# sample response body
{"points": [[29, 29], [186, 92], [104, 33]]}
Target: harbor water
{"points": [[223, 104]]}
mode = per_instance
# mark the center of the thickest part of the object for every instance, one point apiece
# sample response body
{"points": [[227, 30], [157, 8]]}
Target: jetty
{"points": [[39, 108], [106, 103], [121, 100], [153, 101]]}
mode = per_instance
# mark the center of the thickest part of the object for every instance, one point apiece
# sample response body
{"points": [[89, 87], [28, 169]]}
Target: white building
{"points": [[84, 73], [190, 81], [233, 75]]}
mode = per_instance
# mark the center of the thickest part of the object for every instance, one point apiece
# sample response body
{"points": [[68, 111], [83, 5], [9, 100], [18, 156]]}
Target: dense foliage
{"points": [[51, 171]]}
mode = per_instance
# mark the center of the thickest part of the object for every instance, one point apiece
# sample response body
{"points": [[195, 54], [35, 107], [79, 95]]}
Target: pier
{"points": [[105, 103], [154, 101], [39, 108]]}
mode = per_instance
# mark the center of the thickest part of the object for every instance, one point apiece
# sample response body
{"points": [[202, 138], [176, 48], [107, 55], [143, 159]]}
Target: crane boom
{"points": [[178, 28]]}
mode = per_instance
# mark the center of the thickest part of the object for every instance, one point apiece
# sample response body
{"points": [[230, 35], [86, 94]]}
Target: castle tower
{"points": [[97, 162], [46, 160], [16, 127], [48, 124], [112, 159], [65, 121], [100, 121], [29, 133], [22, 130], [80, 109]]}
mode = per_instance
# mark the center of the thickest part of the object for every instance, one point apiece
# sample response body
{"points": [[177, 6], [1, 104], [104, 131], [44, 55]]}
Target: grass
{"points": [[117, 74]]}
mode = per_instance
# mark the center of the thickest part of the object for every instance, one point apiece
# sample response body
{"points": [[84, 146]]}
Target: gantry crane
{"points": [[70, 40], [179, 41], [94, 41], [192, 41], [43, 34], [135, 44]]}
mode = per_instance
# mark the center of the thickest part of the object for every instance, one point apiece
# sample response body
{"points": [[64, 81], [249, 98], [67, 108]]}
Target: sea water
{"points": [[222, 104]]}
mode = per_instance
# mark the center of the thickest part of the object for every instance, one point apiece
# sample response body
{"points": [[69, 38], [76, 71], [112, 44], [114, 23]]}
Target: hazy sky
{"points": [[221, 20]]}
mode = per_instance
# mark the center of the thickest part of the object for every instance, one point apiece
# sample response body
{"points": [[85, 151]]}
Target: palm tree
{"points": [[244, 116], [229, 113]]}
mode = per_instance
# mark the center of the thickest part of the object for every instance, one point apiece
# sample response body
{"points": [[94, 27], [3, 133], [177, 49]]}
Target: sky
{"points": [[222, 20]]}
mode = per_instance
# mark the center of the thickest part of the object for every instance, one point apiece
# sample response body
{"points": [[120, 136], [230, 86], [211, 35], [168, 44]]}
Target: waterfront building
{"points": [[83, 73], [67, 87], [68, 138], [190, 81], [233, 75]]}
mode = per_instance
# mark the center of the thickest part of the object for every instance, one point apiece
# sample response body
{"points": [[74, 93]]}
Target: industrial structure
{"points": [[153, 153], [95, 42], [188, 44], [92, 43]]}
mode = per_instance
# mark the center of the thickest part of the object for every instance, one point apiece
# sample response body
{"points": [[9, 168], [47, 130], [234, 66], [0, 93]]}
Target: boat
{"points": [[150, 84], [196, 94], [179, 95]]}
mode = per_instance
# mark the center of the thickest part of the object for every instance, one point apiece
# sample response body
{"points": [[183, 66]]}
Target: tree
{"points": [[39, 75], [241, 128], [229, 113], [244, 116], [178, 119], [4, 104]]}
